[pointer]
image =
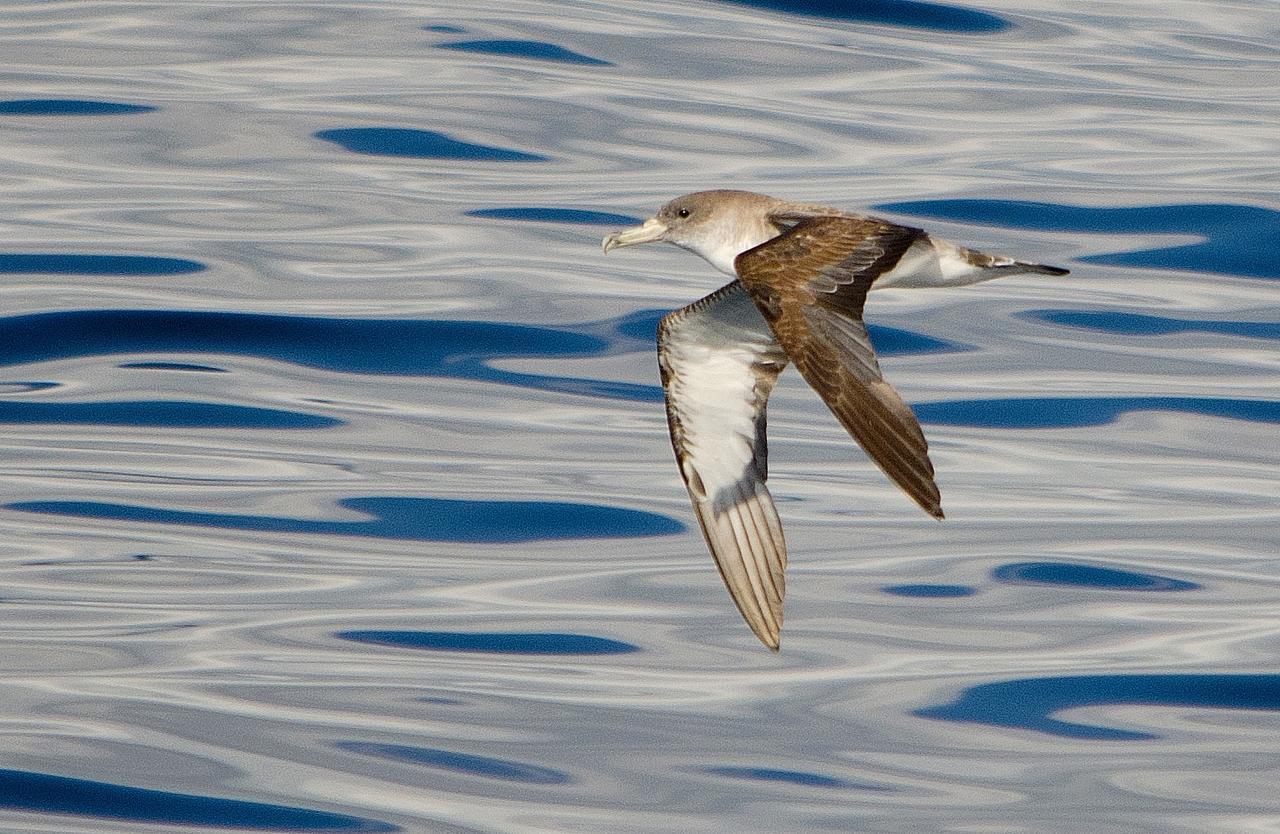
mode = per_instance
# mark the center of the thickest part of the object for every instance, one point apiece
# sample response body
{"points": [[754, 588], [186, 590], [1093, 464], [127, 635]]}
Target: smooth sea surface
{"points": [[336, 490]]}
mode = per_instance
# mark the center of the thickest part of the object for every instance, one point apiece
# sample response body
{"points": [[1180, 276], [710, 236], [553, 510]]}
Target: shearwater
{"points": [[802, 273]]}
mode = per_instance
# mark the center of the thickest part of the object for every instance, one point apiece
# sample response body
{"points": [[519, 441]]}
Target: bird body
{"points": [[802, 276]]}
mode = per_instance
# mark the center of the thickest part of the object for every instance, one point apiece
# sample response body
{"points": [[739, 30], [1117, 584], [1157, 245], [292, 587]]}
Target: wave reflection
{"points": [[161, 414], [1068, 575], [69, 107], [536, 50], [467, 763], [493, 642], [420, 144], [411, 519], [1074, 412], [1239, 240], [791, 777], [1142, 324], [913, 14], [59, 263], [45, 793], [1029, 704]]}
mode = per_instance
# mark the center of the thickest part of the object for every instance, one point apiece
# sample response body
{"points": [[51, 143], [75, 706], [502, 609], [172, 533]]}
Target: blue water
{"points": [[459, 762], [1238, 239], [338, 494], [1069, 575], [423, 144], [47, 793], [1031, 703], [492, 643], [537, 50], [1144, 324], [69, 107], [414, 519]]}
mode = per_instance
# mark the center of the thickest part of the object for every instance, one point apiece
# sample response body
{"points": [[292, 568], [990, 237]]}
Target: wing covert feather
{"points": [[810, 283]]}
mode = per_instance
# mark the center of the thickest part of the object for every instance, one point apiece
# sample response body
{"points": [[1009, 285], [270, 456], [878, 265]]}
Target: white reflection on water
{"points": [[202, 658]]}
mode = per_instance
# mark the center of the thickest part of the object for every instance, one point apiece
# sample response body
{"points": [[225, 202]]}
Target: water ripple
{"points": [[467, 763], [1072, 575], [546, 214], [172, 366], [1144, 324], [59, 263], [410, 519], [1029, 703], [536, 50], [461, 349], [934, 17], [930, 591], [1239, 239], [1069, 412], [69, 107], [161, 414], [790, 777], [45, 793], [419, 144], [523, 643]]}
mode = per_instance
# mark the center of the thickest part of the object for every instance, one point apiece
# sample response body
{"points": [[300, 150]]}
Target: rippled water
{"points": [[337, 491]]}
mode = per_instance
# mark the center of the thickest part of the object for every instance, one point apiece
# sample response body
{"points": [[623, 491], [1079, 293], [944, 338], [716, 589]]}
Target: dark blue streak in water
{"points": [[504, 769], [1068, 575], [445, 27], [912, 14], [68, 107], [493, 642], [459, 349], [1240, 239], [526, 49], [172, 366], [1030, 703], [160, 414], [790, 777], [57, 263], [419, 144], [1073, 412], [44, 793], [541, 214], [892, 341], [410, 519], [888, 341], [930, 591], [1140, 324], [27, 387]]}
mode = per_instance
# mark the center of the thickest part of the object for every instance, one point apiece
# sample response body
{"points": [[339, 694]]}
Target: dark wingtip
{"points": [[1050, 270]]}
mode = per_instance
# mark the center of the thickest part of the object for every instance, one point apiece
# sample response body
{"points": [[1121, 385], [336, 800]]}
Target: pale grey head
{"points": [[715, 225]]}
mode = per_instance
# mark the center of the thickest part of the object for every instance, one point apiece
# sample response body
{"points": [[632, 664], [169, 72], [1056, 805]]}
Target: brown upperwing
{"points": [[810, 284]]}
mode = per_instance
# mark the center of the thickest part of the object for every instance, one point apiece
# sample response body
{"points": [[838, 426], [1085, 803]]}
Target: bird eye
{"points": [[682, 213]]}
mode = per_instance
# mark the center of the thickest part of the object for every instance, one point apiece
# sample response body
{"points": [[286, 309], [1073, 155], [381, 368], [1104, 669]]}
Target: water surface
{"points": [[337, 488]]}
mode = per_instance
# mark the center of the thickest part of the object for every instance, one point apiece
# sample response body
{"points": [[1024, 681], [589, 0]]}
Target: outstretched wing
{"points": [[719, 362], [810, 284]]}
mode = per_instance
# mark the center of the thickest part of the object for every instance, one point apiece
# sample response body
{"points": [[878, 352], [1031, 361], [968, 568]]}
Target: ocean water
{"points": [[337, 494]]}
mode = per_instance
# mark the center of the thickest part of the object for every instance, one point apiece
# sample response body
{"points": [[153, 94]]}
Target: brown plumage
{"points": [[810, 283]]}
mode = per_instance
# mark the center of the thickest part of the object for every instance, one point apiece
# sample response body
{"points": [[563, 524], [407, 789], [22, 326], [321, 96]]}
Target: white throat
{"points": [[722, 244]]}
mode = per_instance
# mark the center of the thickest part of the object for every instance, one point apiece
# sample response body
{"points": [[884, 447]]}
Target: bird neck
{"points": [[725, 242]]}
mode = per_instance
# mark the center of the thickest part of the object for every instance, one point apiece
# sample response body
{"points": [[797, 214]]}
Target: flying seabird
{"points": [[802, 273]]}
